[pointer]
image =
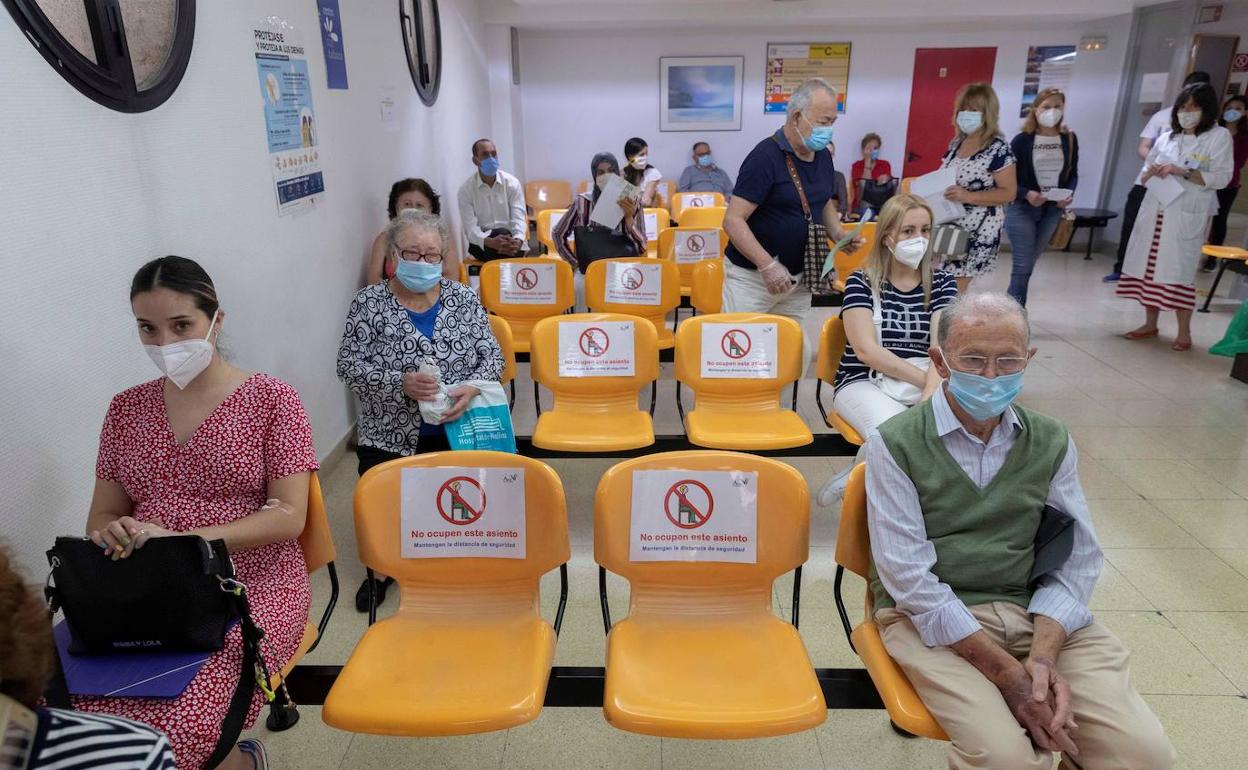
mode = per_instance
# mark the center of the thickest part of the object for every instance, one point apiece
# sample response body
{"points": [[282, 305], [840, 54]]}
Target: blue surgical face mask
{"points": [[820, 136], [417, 276], [875, 154], [969, 121], [984, 398], [706, 161], [1232, 116], [489, 166]]}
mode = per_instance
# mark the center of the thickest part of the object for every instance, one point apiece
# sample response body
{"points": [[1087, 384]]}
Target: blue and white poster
{"points": [[331, 42], [289, 118]]}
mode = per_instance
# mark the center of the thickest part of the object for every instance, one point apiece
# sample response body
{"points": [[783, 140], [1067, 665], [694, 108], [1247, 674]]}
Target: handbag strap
{"points": [[797, 180]]}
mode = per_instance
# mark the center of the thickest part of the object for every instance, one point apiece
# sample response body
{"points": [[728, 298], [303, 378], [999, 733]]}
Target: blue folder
{"points": [[127, 674]]}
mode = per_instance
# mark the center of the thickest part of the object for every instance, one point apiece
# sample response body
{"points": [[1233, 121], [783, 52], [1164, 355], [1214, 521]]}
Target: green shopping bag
{"points": [[1236, 340]]}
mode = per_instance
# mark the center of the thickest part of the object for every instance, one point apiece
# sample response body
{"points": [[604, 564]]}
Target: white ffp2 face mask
{"points": [[640, 162], [911, 251], [1050, 117], [1189, 119], [184, 360]]}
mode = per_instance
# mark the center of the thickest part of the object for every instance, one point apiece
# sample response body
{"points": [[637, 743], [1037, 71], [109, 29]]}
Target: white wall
{"points": [[586, 91], [89, 195]]}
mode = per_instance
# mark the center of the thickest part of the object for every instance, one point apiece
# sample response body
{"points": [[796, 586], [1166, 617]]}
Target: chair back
{"points": [[546, 221], [707, 294], [521, 274], [738, 393], [612, 274], [584, 186], [502, 333], [665, 194], [831, 347], [846, 263], [462, 584], [710, 216], [853, 541], [547, 194], [697, 200], [905, 184], [781, 542], [682, 244], [316, 541], [656, 220], [606, 393]]}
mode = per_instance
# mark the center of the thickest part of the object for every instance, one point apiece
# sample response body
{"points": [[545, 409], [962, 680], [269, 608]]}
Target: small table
{"points": [[1091, 219]]}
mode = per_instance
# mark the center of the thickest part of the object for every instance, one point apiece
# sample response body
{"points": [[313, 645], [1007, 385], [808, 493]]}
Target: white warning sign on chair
{"points": [[531, 282], [595, 349], [555, 217], [696, 245], [739, 350], [685, 515], [699, 200], [652, 225], [634, 283], [462, 512]]}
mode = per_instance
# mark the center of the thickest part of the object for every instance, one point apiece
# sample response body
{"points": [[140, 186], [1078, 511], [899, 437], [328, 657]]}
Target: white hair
{"points": [[982, 306], [419, 220], [802, 96]]}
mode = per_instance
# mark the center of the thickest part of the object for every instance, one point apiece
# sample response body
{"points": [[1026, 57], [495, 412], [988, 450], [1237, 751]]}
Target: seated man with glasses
{"points": [[406, 339], [983, 561]]}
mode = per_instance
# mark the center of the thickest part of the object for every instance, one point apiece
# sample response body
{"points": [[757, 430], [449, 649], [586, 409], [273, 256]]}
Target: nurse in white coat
{"points": [[1163, 254]]}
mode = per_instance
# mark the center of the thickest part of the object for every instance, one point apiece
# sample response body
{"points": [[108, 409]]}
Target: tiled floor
{"points": [[1163, 441]]}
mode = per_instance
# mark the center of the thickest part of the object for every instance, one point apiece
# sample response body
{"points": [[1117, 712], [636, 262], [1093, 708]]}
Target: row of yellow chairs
{"points": [[656, 219], [557, 194], [701, 654]]}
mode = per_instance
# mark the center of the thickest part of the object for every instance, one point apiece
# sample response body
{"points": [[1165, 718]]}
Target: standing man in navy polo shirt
{"points": [[765, 220]]}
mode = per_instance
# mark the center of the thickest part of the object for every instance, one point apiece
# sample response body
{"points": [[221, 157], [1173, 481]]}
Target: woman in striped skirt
{"points": [[1164, 251]]}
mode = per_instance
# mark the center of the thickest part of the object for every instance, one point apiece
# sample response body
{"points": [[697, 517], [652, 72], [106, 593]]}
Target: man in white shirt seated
{"points": [[993, 631], [492, 208], [705, 175]]}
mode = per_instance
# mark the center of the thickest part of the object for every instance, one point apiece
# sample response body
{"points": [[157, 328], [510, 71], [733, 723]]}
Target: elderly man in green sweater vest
{"points": [[997, 640]]}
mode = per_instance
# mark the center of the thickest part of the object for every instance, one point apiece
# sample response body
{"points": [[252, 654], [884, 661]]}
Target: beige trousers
{"points": [[1116, 729]]}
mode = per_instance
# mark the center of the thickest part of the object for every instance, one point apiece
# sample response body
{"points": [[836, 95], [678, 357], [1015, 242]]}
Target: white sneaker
{"points": [[833, 490]]}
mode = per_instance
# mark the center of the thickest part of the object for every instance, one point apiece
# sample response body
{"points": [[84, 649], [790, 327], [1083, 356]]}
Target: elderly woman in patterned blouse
{"points": [[393, 327]]}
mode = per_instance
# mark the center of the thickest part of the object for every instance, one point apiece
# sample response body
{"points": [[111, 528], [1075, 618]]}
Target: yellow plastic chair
{"points": [[845, 263], [701, 654], [546, 219], [905, 185], [669, 295], [1225, 256], [547, 194], [707, 294], [466, 651], [502, 333], [521, 317], [667, 250], [656, 220], [684, 200], [593, 414], [664, 194], [317, 543], [704, 217], [741, 413], [827, 359], [584, 186], [853, 553]]}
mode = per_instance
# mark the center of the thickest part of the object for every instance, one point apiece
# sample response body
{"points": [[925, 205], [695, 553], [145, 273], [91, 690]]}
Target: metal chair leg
{"points": [[1222, 263]]}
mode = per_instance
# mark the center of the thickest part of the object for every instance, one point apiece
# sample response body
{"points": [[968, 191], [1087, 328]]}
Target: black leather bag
{"points": [[596, 242], [173, 594]]}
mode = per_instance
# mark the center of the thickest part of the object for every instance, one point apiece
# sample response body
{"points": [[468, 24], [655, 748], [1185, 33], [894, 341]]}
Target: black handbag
{"points": [[595, 242], [875, 195], [170, 595]]}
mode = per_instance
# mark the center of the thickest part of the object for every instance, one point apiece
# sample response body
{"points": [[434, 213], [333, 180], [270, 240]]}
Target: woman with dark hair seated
{"points": [[211, 450], [406, 194]]}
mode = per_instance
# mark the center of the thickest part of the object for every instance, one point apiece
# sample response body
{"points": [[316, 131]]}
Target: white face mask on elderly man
{"points": [[184, 360]]}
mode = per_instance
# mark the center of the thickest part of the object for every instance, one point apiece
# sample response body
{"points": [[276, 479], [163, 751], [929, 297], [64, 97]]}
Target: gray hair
{"points": [[984, 305], [801, 98], [419, 220]]}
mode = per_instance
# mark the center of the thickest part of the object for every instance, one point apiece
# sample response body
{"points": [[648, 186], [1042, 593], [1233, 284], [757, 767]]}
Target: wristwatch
{"points": [[1187, 174]]}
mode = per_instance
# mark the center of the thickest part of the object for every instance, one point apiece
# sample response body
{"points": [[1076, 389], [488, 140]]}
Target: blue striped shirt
{"points": [[72, 740]]}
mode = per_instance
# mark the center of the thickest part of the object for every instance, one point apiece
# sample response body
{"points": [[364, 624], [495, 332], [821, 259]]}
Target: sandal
{"points": [[1136, 334], [255, 749], [1181, 345]]}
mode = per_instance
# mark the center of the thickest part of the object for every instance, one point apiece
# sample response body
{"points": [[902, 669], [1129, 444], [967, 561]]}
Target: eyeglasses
{"points": [[978, 364], [411, 255]]}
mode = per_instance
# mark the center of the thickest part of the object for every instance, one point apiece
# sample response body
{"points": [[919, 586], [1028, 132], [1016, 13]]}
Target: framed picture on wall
{"points": [[700, 93]]}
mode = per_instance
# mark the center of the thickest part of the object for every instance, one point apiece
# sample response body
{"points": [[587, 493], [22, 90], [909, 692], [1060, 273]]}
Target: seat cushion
{"points": [[705, 677], [573, 430], [420, 675], [772, 429]]}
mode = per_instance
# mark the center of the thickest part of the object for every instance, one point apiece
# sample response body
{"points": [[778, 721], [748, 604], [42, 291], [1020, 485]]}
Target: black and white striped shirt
{"points": [[70, 740]]}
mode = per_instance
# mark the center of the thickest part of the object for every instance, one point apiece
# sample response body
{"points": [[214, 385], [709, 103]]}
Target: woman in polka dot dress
{"points": [[218, 452]]}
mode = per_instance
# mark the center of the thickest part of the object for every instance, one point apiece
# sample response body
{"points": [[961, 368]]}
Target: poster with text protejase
{"points": [[739, 350], [289, 118], [462, 512], [684, 515]]}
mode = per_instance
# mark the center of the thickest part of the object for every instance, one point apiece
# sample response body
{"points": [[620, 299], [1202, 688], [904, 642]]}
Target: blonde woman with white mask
{"points": [[890, 311]]}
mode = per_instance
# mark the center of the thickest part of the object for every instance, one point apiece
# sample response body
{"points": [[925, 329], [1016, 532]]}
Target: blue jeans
{"points": [[1029, 229]]}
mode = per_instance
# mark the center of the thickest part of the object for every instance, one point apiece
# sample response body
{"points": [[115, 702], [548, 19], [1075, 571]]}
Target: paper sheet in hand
{"points": [[830, 261], [1056, 194], [1165, 188], [607, 211], [931, 187], [128, 674]]}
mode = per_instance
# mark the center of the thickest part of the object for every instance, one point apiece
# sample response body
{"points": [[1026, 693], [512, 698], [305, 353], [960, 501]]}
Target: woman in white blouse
{"points": [[639, 172], [1183, 172]]}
